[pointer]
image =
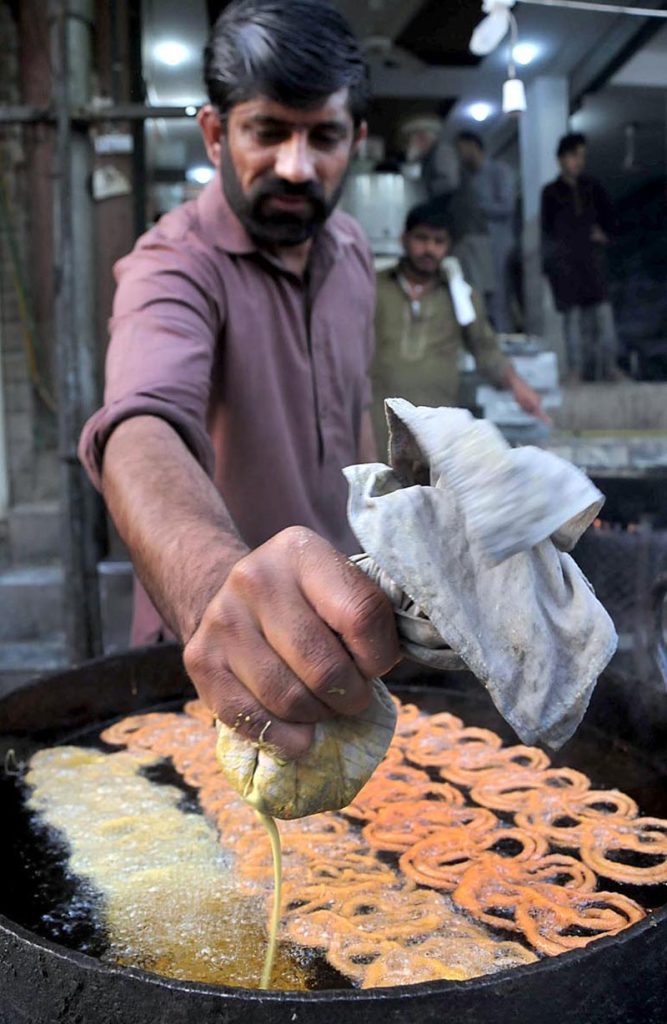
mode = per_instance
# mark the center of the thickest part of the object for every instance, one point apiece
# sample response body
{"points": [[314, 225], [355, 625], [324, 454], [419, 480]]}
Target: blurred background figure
{"points": [[449, 185], [494, 187], [577, 223], [426, 314]]}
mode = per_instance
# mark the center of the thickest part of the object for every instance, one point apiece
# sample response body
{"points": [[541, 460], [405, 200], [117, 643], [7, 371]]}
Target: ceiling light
{"points": [[525, 53], [514, 96], [480, 111], [171, 53], [199, 175]]}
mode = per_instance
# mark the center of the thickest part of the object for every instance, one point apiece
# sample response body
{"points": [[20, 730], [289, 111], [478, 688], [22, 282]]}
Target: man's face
{"points": [[470, 154], [574, 162], [425, 249], [283, 170]]}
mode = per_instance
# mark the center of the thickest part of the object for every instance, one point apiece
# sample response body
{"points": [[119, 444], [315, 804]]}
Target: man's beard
{"points": [[277, 227], [427, 272]]}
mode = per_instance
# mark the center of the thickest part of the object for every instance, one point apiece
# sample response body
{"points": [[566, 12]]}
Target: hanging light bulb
{"points": [[514, 91], [514, 96], [491, 30]]}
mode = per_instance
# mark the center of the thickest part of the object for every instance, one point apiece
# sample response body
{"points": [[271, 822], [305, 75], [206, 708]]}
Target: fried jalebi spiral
{"points": [[555, 920], [398, 826], [368, 886], [392, 967], [509, 789], [565, 817], [397, 916], [440, 860], [468, 764], [632, 851], [552, 917], [123, 733], [430, 746]]}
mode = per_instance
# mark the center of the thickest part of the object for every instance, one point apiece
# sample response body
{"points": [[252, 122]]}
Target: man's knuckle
{"points": [[370, 612], [247, 577], [327, 675]]}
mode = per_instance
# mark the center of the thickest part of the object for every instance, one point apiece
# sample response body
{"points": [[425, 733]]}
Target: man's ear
{"points": [[212, 131]]}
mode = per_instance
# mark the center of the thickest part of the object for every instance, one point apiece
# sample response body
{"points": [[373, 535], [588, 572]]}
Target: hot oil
{"points": [[155, 888]]}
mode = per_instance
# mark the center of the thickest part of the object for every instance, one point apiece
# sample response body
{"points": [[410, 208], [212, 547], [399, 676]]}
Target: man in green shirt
{"points": [[425, 314]]}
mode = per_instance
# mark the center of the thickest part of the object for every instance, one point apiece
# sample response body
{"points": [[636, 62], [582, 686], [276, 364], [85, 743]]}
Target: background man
{"points": [[449, 185], [494, 186], [237, 388], [577, 221], [418, 336]]}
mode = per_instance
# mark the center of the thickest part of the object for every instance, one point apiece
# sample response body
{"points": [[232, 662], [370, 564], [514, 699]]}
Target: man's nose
{"points": [[294, 161]]}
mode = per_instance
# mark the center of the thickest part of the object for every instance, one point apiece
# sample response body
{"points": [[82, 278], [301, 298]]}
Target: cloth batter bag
{"points": [[345, 752], [467, 537]]}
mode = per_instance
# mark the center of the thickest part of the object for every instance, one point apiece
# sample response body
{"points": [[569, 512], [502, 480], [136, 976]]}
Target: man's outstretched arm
{"points": [[288, 633]]}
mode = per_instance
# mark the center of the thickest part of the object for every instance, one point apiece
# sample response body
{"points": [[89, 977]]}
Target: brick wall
{"points": [[19, 401]]}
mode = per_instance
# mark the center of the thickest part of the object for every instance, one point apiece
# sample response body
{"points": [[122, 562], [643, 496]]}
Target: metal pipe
{"points": [[74, 321], [137, 95], [584, 5], [84, 115]]}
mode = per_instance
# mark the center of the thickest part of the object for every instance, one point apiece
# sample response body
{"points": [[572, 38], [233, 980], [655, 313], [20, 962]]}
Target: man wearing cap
{"points": [[426, 313]]}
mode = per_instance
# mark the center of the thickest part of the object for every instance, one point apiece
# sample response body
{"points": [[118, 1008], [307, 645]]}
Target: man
{"points": [[494, 187], [449, 186], [237, 389], [577, 221], [418, 329]]}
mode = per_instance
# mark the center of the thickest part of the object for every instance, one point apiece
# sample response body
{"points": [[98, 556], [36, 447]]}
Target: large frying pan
{"points": [[619, 979]]}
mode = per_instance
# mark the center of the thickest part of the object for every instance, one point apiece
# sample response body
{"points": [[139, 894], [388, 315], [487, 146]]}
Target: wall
{"points": [[17, 445]]}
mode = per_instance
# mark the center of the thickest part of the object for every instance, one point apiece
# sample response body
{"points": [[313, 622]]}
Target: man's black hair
{"points": [[570, 143], [296, 52], [471, 137], [430, 215]]}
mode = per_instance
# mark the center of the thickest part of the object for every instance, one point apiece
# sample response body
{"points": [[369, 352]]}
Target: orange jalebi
{"points": [[440, 860], [344, 895], [397, 826]]}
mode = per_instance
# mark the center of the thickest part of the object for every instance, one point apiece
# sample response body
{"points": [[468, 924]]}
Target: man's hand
{"points": [[292, 637], [528, 398]]}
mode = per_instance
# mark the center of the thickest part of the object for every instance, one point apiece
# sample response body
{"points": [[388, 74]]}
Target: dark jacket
{"points": [[575, 265]]}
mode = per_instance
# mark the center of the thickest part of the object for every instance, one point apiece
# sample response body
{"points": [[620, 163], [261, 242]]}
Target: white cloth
{"points": [[460, 291], [470, 534]]}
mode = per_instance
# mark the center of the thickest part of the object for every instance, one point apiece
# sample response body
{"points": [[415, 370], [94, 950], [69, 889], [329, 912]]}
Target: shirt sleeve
{"points": [[480, 340], [164, 329]]}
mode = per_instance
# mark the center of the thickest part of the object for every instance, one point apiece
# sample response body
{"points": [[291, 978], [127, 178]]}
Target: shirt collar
{"points": [[223, 230]]}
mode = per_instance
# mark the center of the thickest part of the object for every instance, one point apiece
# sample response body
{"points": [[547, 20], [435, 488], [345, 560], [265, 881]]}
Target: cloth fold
{"points": [[469, 535], [460, 291]]}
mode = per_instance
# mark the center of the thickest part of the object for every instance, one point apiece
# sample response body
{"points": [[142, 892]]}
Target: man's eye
{"points": [[269, 136], [325, 139]]}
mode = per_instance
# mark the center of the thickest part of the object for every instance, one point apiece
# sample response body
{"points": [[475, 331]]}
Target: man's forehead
{"points": [[333, 108], [441, 234]]}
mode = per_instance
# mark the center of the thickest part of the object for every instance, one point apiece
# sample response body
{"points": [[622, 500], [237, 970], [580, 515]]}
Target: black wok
{"points": [[617, 979]]}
